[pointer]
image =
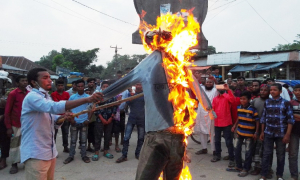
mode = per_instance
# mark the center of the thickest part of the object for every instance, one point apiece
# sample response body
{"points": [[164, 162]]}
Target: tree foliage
{"points": [[121, 62], [291, 46], [210, 50]]}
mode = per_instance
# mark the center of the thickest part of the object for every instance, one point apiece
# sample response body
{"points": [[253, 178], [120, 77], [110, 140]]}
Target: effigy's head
{"points": [[148, 12]]}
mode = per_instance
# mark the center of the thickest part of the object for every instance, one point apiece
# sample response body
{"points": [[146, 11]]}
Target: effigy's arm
{"points": [[202, 97]]}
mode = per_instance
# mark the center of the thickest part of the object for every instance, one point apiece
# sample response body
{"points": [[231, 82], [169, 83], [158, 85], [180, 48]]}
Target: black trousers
{"points": [[91, 134], [4, 140], [99, 129]]}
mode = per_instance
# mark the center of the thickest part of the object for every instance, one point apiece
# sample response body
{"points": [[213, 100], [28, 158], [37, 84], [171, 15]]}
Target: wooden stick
{"points": [[104, 106]]}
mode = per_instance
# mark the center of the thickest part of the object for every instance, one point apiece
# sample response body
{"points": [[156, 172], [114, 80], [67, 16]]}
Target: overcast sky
{"points": [[32, 28]]}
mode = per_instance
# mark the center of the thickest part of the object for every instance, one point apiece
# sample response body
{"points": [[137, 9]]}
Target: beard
{"points": [[209, 88]]}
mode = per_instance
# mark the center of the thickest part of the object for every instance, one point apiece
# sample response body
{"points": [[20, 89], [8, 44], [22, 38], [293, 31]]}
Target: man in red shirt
{"points": [[12, 116], [223, 123], [59, 95]]}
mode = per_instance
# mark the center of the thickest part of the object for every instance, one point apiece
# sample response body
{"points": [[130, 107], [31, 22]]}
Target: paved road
{"points": [[201, 168]]}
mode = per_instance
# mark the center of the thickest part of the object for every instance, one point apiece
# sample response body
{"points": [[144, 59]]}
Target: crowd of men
{"points": [[257, 114], [30, 147]]}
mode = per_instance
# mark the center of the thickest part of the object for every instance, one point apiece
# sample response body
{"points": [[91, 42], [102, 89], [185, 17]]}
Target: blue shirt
{"points": [[83, 117], [37, 126], [137, 110], [277, 114]]}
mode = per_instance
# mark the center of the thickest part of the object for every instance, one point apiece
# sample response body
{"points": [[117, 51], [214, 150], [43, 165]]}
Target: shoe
{"points": [[226, 158], [121, 159], [14, 169], [202, 151], [231, 164], [68, 160], [215, 159], [256, 171], [86, 159], [66, 149]]}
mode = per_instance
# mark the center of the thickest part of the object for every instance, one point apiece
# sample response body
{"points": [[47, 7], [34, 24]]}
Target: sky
{"points": [[32, 28]]}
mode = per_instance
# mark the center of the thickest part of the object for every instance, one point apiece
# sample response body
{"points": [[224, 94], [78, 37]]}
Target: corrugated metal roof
{"points": [[265, 58], [201, 62], [22, 63], [5, 66]]}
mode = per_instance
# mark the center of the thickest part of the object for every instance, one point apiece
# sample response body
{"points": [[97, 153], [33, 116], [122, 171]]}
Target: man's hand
{"points": [[86, 123], [262, 136], [233, 128], [69, 117], [95, 98], [286, 139], [226, 87], [9, 132]]}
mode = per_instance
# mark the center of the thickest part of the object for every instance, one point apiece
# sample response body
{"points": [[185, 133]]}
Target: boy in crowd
{"points": [[223, 123], [61, 95], [12, 118], [258, 103], [73, 89], [240, 86], [104, 123], [136, 117], [91, 136], [80, 125], [247, 125], [276, 125], [294, 141]]}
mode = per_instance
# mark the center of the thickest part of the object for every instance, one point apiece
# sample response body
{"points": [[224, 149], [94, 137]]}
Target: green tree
{"points": [[95, 71], [210, 50], [46, 61], [291, 46]]}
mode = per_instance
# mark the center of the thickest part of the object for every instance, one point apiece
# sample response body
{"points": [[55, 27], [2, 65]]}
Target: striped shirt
{"points": [[247, 118]]}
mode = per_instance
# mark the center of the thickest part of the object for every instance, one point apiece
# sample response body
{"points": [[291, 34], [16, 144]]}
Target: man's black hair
{"points": [[119, 72], [59, 81], [74, 82], [18, 78], [279, 86], [240, 77], [90, 79], [285, 85], [104, 82], [80, 81], [259, 83], [270, 79], [296, 86], [247, 94], [32, 75]]}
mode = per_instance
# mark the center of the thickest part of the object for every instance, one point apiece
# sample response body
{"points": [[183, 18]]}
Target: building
{"points": [[257, 65]]}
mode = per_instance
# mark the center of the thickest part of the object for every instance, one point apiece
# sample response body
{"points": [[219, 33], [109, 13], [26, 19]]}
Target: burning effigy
{"points": [[165, 78]]}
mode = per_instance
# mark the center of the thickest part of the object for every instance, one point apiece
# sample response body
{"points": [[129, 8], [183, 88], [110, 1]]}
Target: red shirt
{"points": [[13, 108], [57, 97], [222, 106]]}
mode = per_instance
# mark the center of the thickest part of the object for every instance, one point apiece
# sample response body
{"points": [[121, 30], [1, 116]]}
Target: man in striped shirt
{"points": [[247, 129]]}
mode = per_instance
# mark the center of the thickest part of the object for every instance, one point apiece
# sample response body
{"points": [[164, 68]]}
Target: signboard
{"points": [[62, 71], [224, 58]]}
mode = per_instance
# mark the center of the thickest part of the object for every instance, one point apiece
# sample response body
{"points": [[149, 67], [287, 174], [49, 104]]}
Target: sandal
{"points": [[202, 151], [109, 156], [86, 159], [68, 160], [95, 157], [118, 149], [233, 170], [121, 159], [256, 171], [243, 174], [13, 170]]}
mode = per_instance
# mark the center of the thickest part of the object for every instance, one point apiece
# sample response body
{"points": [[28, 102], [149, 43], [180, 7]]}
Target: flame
{"points": [[176, 58]]}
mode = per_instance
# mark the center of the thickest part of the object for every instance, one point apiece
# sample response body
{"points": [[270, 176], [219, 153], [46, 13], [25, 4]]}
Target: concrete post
{"points": [[288, 70]]}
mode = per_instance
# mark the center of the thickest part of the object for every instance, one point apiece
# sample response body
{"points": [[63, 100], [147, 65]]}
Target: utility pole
{"points": [[116, 52]]}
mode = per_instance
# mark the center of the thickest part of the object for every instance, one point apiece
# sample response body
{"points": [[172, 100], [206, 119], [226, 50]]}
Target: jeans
{"points": [[268, 151], [4, 141], [228, 140], [98, 130], [82, 130], [65, 133], [91, 134], [249, 144], [140, 141], [161, 152], [293, 155]]}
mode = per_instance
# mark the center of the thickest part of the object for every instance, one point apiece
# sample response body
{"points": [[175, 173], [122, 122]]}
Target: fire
{"points": [[175, 60]]}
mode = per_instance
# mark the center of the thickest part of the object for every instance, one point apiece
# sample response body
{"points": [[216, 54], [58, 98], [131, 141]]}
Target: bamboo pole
{"points": [[104, 106]]}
